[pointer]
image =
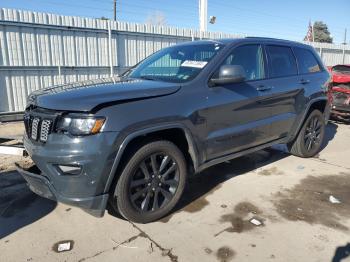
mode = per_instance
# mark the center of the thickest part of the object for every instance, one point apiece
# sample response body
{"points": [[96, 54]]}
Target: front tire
{"points": [[310, 138], [151, 183]]}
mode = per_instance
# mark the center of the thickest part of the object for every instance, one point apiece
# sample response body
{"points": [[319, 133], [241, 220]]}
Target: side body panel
{"points": [[236, 119]]}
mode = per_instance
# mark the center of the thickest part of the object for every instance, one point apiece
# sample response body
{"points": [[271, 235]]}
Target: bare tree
{"points": [[156, 18]]}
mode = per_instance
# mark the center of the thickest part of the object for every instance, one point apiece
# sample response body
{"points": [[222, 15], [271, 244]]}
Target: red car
{"points": [[340, 91]]}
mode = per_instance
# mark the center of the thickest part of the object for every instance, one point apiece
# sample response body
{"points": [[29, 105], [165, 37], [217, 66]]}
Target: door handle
{"points": [[263, 88], [304, 81]]}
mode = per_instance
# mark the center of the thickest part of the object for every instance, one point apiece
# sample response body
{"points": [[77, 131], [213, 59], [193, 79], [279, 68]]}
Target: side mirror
{"points": [[229, 74]]}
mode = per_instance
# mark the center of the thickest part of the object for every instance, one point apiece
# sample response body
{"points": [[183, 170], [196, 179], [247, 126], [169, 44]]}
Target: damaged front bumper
{"points": [[340, 107], [72, 170], [42, 186]]}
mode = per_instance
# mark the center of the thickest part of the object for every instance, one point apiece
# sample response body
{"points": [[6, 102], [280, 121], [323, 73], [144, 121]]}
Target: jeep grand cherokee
{"points": [[132, 140]]}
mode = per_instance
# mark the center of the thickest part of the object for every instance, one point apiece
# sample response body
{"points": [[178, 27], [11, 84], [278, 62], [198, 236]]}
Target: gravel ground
{"points": [[12, 130]]}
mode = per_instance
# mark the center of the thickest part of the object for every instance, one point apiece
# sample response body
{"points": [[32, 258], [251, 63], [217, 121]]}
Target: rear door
{"points": [[284, 89], [235, 115]]}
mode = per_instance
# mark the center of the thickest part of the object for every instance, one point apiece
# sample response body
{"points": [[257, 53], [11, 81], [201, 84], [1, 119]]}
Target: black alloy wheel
{"points": [[151, 183], [310, 138], [312, 135], [154, 182]]}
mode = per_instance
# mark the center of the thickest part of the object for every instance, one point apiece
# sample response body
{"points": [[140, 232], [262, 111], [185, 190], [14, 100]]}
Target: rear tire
{"points": [[310, 138], [151, 183]]}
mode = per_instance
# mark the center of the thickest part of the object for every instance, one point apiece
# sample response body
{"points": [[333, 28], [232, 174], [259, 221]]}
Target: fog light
{"points": [[69, 170]]}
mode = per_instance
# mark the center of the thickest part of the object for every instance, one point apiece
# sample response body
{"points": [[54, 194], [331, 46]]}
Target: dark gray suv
{"points": [[131, 141]]}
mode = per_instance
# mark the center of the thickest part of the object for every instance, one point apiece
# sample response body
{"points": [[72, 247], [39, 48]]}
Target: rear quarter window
{"points": [[307, 62], [281, 61]]}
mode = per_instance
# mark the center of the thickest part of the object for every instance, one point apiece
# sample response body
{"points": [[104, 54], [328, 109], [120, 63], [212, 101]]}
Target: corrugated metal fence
{"points": [[40, 50]]}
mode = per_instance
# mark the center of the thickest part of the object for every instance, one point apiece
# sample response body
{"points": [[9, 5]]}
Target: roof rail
{"points": [[262, 37]]}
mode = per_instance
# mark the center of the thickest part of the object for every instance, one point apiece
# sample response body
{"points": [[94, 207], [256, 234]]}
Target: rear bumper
{"points": [[42, 186]]}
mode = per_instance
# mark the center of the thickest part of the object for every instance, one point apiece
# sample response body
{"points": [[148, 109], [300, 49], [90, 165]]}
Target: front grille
{"points": [[37, 128], [45, 129]]}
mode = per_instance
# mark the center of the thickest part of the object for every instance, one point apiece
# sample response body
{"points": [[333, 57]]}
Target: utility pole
{"points": [[345, 37], [203, 15], [115, 9]]}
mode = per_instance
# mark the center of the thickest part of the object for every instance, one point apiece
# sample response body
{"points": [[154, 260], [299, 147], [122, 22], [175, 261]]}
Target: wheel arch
{"points": [[149, 134], [321, 104]]}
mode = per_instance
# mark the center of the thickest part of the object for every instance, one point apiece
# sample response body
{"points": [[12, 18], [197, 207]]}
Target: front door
{"points": [[235, 113]]}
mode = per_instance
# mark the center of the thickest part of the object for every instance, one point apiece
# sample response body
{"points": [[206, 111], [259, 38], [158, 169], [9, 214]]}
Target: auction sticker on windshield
{"points": [[196, 64]]}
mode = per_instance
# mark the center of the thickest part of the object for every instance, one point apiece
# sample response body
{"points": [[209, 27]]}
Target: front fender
{"points": [[193, 151]]}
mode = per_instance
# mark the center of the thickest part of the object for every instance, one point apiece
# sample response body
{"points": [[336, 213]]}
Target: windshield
{"points": [[176, 64], [342, 69]]}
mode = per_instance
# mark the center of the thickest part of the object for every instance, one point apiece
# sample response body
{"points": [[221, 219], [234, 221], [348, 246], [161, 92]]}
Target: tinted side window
{"points": [[306, 61], [281, 61], [250, 57]]}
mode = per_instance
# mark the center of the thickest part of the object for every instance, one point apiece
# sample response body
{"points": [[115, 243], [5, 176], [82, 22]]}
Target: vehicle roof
{"points": [[229, 41], [262, 40]]}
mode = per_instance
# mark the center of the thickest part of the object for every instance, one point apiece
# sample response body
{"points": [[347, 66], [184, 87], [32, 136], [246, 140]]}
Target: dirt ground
{"points": [[12, 130], [266, 206]]}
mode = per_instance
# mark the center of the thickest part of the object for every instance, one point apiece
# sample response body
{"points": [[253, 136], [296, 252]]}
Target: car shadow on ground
{"points": [[341, 253], [203, 183], [206, 181], [209, 179], [339, 120], [19, 206], [199, 185], [331, 130]]}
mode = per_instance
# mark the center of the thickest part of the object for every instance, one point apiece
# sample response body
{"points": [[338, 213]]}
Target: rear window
{"points": [[306, 60], [281, 61]]}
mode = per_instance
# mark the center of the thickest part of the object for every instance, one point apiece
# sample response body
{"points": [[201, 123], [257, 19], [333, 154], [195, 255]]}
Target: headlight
{"points": [[81, 126]]}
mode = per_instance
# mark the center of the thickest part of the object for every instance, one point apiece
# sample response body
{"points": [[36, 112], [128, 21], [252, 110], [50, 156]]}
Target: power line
{"points": [[149, 8], [190, 17], [253, 14], [142, 13], [129, 8], [146, 5], [75, 5], [260, 13], [157, 9], [161, 3]]}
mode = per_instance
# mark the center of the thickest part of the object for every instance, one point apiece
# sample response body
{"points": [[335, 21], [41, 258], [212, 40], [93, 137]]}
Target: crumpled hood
{"points": [[87, 95]]}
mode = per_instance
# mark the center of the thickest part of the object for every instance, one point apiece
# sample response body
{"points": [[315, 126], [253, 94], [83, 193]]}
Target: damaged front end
{"points": [[339, 92], [340, 101]]}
